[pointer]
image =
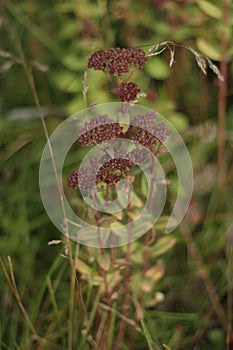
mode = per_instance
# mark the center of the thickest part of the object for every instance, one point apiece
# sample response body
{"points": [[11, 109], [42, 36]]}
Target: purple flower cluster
{"points": [[138, 155], [127, 92], [117, 61], [145, 121], [102, 128], [97, 60], [111, 172], [162, 132], [157, 134], [85, 178], [99, 129]]}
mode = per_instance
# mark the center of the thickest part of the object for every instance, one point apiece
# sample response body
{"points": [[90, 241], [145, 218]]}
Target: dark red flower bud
{"points": [[127, 92]]}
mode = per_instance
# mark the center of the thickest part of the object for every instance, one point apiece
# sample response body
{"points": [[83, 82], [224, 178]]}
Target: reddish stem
{"points": [[222, 89], [98, 228], [127, 283], [150, 207]]}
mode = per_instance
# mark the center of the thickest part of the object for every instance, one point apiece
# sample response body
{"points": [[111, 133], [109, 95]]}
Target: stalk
{"points": [[127, 283], [222, 97]]}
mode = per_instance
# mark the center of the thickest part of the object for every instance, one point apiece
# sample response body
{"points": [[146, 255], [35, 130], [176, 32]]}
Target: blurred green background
{"points": [[57, 38]]}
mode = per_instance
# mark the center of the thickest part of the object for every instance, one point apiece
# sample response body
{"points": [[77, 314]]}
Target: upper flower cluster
{"points": [[118, 61]]}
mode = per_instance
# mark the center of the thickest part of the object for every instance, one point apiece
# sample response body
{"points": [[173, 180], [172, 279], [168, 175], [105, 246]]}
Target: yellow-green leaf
{"points": [[147, 285], [113, 280], [155, 272], [210, 9], [144, 186], [135, 214], [118, 228], [162, 246], [208, 49], [162, 222], [118, 215], [136, 201], [157, 68], [83, 268], [97, 281], [104, 261]]}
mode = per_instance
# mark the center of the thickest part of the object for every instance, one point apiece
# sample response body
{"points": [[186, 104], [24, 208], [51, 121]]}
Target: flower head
{"points": [[99, 129], [84, 178], [127, 92], [97, 60], [162, 132], [118, 61], [147, 132]]}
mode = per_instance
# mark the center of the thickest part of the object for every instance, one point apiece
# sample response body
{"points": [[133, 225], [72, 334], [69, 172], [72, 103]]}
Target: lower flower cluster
{"points": [[111, 169], [111, 172]]}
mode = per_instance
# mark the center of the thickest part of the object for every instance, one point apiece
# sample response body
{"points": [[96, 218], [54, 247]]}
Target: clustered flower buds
{"points": [[147, 133], [119, 62], [99, 129], [127, 92], [111, 172], [97, 60], [161, 132], [85, 178], [143, 130], [138, 155], [114, 168], [145, 121]]}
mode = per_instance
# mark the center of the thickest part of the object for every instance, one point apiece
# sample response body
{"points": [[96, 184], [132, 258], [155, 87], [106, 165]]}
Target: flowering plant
{"points": [[121, 64]]}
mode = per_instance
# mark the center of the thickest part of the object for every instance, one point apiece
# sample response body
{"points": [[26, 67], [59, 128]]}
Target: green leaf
{"points": [[136, 201], [162, 246], [83, 268], [144, 186], [216, 336], [179, 121], [155, 272], [161, 224], [157, 68], [210, 9], [118, 228], [137, 256], [68, 30], [113, 280], [134, 214], [118, 215], [72, 62], [208, 49], [96, 281], [66, 81], [104, 261]]}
